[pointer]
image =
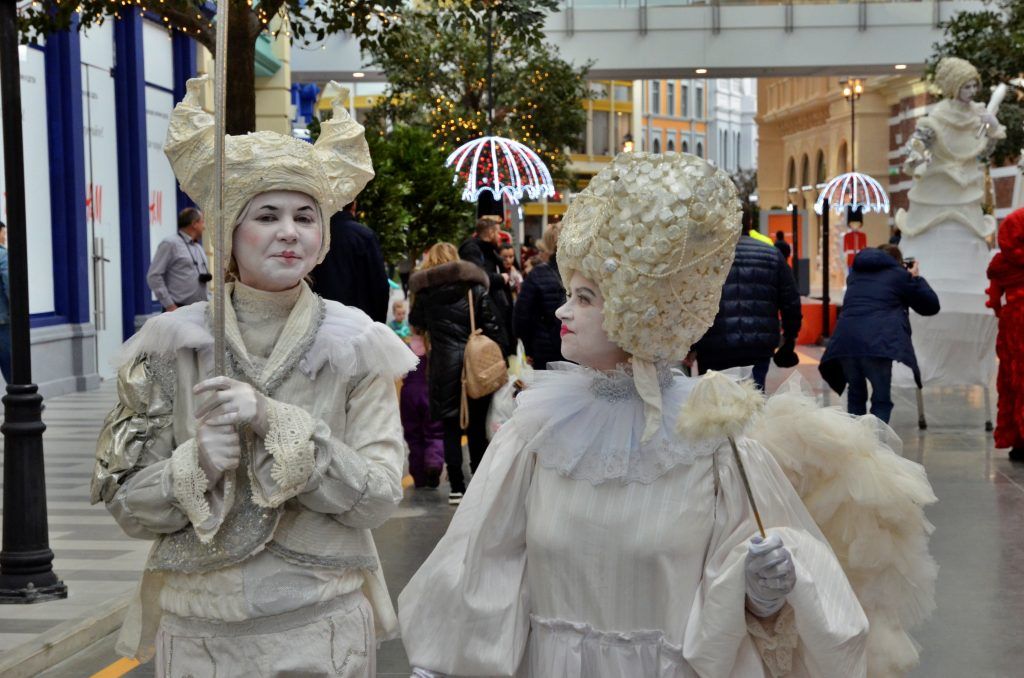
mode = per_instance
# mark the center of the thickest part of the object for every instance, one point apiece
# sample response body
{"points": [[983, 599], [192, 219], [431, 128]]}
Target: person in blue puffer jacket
{"points": [[874, 328]]}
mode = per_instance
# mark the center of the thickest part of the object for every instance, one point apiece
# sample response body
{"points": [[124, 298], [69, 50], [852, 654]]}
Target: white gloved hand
{"points": [[770, 575], [989, 119], [219, 450], [232, 402]]}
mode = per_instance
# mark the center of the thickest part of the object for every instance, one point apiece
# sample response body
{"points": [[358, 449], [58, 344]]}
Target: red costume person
{"points": [[853, 241], [1006, 298]]}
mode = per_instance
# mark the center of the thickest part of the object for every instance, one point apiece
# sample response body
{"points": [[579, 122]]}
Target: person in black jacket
{"points": [[758, 289], [539, 297], [353, 272], [440, 309], [483, 250], [874, 329]]}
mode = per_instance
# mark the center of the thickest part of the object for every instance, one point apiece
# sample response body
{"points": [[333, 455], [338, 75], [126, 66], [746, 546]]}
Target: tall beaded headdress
{"points": [[656, 233]]}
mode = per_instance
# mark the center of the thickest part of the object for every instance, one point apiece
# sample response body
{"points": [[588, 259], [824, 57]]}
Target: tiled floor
{"points": [[978, 542], [92, 555]]}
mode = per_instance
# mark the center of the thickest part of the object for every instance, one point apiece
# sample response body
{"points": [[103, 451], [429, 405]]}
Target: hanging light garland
{"points": [[502, 166], [853, 190]]}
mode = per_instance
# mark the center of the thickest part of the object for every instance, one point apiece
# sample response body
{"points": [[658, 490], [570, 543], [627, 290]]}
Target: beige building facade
{"points": [[805, 139]]}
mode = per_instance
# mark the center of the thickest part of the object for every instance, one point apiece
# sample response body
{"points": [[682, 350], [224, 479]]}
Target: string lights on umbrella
{"points": [[505, 168], [855, 191]]}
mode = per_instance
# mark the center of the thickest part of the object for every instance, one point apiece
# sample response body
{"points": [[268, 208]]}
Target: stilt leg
{"points": [[922, 421]]}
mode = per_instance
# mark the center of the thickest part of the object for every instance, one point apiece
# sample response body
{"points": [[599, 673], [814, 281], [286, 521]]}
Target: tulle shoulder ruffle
{"points": [[869, 502], [164, 334], [351, 343], [589, 425], [348, 340]]}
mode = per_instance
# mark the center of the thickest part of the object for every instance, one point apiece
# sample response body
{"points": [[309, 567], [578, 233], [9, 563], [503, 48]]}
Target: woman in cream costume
{"points": [[607, 535], [259, 488], [947, 153], [946, 230]]}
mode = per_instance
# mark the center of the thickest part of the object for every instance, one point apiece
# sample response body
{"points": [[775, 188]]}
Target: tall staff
{"points": [[219, 104]]}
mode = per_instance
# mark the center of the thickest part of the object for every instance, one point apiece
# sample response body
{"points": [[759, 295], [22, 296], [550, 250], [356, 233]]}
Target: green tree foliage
{"points": [[992, 40], [412, 201], [302, 20], [436, 60]]}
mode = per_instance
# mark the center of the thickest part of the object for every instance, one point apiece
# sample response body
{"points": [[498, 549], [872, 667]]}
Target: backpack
{"points": [[483, 366]]}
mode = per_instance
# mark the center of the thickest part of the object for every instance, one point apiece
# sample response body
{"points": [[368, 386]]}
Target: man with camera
{"points": [[874, 328], [179, 272]]}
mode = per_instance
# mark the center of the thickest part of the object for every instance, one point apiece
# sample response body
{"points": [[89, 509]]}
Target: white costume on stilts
{"points": [[272, 571], [945, 230], [606, 531]]}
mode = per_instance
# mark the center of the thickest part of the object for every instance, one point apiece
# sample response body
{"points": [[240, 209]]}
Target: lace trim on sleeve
{"points": [[190, 485], [289, 441], [776, 640]]}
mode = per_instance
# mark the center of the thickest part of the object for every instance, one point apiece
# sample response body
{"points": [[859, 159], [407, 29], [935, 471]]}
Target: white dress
{"points": [[580, 552]]}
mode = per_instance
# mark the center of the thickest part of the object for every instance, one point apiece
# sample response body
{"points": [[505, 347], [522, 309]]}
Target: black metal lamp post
{"points": [[795, 216], [826, 320], [26, 561], [852, 89]]}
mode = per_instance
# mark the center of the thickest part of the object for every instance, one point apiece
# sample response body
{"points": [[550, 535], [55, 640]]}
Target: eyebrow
{"points": [[585, 289]]}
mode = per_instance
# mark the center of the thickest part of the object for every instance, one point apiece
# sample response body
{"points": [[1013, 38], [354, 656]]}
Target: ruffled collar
{"points": [[589, 425]]}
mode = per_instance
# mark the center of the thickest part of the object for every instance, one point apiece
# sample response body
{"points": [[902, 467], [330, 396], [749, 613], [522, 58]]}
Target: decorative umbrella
{"points": [[502, 166], [853, 190]]}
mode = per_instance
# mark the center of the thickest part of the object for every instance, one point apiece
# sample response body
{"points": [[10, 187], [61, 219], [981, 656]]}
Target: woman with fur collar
{"points": [[608, 531], [259, 488], [440, 309]]}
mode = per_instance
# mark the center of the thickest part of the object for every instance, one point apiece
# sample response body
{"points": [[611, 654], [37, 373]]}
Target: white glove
{"points": [[770, 575], [989, 119], [232, 402], [219, 450]]}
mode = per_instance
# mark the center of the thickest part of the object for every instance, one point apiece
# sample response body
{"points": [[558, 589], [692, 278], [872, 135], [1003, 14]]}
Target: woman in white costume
{"points": [[596, 541], [259, 488], [947, 154]]}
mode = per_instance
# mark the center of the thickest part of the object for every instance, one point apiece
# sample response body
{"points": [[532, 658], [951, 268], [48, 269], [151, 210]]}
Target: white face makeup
{"points": [[278, 240], [968, 91], [584, 339]]}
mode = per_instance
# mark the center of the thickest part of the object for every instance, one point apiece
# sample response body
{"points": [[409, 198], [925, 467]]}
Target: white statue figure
{"points": [[259, 488], [945, 228], [947, 154], [608, 532]]}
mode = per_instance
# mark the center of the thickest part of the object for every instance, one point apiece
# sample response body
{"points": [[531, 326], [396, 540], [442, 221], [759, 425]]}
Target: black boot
{"points": [[1017, 455]]}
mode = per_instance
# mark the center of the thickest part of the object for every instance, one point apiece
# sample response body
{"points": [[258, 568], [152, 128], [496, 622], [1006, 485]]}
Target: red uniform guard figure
{"points": [[1006, 299]]}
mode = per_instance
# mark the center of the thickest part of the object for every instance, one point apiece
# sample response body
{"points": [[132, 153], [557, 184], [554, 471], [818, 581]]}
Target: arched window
{"points": [[820, 174], [686, 146], [670, 146], [791, 174], [656, 145], [700, 150], [841, 160], [805, 171]]}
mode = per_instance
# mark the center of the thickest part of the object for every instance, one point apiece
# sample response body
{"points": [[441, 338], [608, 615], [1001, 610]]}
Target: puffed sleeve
{"points": [[466, 611], [355, 477], [822, 631], [150, 483]]}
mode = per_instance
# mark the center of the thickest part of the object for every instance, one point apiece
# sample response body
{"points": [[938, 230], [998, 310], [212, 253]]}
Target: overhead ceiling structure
{"points": [[654, 39]]}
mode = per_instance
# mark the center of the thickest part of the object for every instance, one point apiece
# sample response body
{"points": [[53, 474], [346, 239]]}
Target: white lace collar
{"points": [[588, 425]]}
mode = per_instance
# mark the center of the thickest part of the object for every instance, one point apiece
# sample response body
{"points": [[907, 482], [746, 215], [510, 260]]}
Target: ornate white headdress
{"points": [[332, 171], [657, 234], [952, 73]]}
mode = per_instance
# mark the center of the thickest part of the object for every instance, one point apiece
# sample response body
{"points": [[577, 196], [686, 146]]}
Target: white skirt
{"points": [[333, 638], [575, 650]]}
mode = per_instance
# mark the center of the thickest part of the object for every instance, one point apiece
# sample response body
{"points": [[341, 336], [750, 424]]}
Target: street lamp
{"points": [[852, 89], [26, 561]]}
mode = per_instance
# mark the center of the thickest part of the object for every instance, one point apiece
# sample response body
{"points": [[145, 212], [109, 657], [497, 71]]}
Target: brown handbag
{"points": [[483, 366]]}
